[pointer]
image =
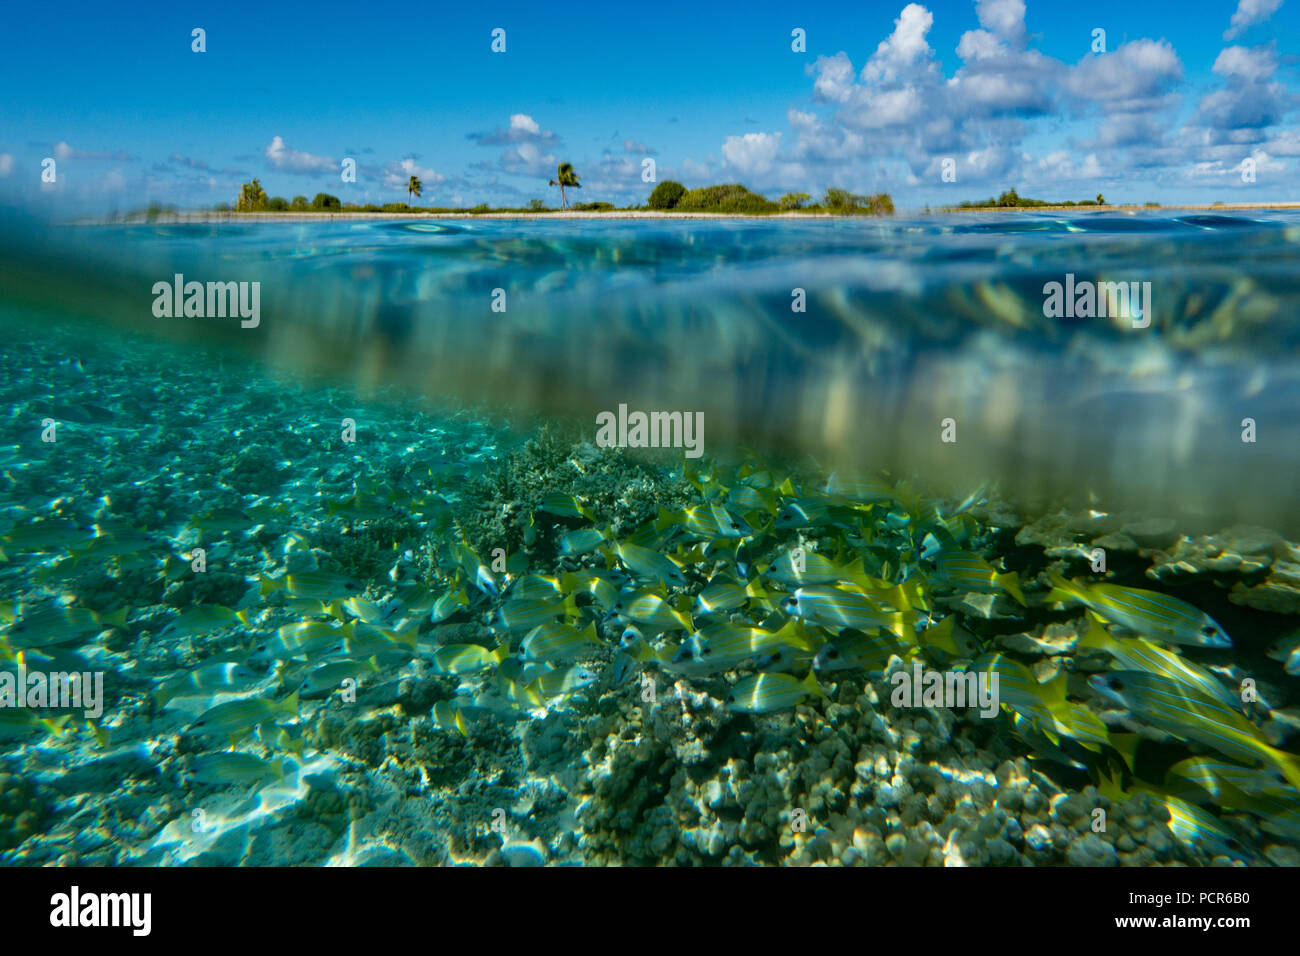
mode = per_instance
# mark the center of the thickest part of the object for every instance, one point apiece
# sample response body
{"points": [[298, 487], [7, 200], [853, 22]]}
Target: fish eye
{"points": [[1209, 630], [832, 654]]}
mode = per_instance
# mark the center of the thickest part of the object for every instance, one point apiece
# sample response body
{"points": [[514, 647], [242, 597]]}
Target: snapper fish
{"points": [[58, 624], [964, 570], [466, 658], [1190, 715], [837, 608], [765, 693], [231, 767], [1148, 613], [555, 641], [237, 718], [853, 649], [645, 563]]}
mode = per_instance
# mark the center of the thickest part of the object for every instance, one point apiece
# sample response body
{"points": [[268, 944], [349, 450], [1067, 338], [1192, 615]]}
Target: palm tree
{"points": [[413, 188], [252, 197], [1101, 200], [567, 177]]}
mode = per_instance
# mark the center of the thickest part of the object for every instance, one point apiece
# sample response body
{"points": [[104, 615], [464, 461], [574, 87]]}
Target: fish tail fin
{"points": [[1062, 590], [1288, 763], [666, 519], [460, 722], [409, 637], [1095, 636], [815, 688], [940, 636], [56, 725], [502, 651], [117, 618], [267, 585], [99, 733], [289, 705], [1010, 582], [793, 634]]}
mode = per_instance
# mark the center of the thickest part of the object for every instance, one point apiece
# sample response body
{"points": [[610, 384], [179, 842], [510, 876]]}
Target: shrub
{"points": [[326, 201], [593, 206], [299, 204], [731, 197], [277, 204], [666, 195], [847, 203], [794, 200]]}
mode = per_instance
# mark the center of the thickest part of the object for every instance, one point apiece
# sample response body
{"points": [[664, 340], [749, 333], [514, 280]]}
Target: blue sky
{"points": [[886, 97]]}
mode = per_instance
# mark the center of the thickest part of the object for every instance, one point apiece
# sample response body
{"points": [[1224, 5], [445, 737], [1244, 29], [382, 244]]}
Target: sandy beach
{"points": [[645, 214]]}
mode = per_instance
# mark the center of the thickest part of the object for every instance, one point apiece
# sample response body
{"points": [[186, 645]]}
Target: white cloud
{"points": [[288, 160], [524, 123], [753, 153], [904, 48], [1137, 75], [1006, 18], [1249, 63], [529, 160], [1249, 13], [6, 164], [398, 174], [522, 129]]}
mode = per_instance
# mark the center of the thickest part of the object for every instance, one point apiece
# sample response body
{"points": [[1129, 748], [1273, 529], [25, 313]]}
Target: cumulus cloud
{"points": [[522, 129], [1248, 63], [900, 116], [752, 153], [398, 174], [1249, 13], [287, 160], [633, 148], [528, 159]]}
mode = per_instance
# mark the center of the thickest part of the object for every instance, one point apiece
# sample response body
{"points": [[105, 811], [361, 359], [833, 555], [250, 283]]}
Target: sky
{"points": [[1191, 101]]}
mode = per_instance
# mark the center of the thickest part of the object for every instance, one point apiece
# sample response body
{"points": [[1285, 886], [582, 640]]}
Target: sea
{"points": [[651, 541]]}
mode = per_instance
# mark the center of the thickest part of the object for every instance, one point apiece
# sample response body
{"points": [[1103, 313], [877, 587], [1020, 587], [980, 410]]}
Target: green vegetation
{"points": [[1013, 200], [252, 197], [731, 197], [849, 204], [727, 198], [565, 177], [666, 195]]}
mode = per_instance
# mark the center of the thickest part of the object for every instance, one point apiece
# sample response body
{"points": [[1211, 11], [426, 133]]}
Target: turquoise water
{"points": [[364, 585]]}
